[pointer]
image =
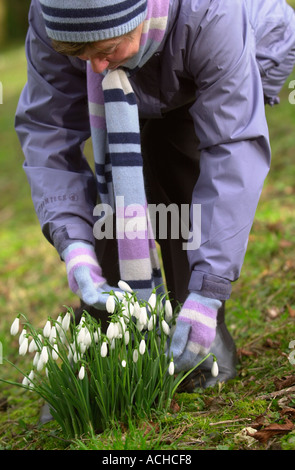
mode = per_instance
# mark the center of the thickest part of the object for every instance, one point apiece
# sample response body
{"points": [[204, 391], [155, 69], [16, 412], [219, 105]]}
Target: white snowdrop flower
{"points": [[152, 322], [40, 364], [82, 347], [110, 304], [117, 330], [168, 310], [113, 344], [152, 300], [125, 287], [33, 346], [124, 363], [31, 375], [22, 336], [126, 337], [58, 323], [121, 326], [47, 329], [143, 317], [110, 333], [165, 327], [55, 353], [44, 355], [25, 381], [119, 295], [52, 336], [104, 349], [36, 359], [214, 369], [142, 347], [130, 309], [81, 335], [171, 368], [135, 355], [95, 336], [139, 326], [14, 327], [87, 339], [136, 310], [66, 321], [81, 374], [125, 315], [23, 348]]}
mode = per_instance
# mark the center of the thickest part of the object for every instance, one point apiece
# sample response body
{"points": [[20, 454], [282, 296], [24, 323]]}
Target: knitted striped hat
{"points": [[91, 20]]}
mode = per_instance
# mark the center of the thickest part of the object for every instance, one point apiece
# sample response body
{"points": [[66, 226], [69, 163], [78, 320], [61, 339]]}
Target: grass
{"points": [[260, 313]]}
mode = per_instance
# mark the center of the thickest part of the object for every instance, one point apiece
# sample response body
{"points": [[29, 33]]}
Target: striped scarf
{"points": [[116, 145]]}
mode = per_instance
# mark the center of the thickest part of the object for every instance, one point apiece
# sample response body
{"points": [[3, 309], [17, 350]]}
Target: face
{"points": [[111, 53]]}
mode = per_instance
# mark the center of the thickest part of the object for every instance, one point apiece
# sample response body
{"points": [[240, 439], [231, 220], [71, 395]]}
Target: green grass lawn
{"points": [[260, 313]]}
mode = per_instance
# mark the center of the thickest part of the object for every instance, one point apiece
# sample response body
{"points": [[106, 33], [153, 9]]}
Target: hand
{"points": [[195, 331], [85, 275]]}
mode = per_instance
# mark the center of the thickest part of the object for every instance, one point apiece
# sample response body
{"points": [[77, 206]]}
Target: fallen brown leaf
{"points": [[284, 382], [263, 435]]}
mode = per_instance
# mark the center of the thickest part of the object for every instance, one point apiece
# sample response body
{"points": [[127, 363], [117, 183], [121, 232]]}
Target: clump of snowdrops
{"points": [[91, 379]]}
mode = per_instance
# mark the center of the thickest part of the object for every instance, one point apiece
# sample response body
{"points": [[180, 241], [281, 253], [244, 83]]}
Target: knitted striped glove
{"points": [[85, 275], [195, 331]]}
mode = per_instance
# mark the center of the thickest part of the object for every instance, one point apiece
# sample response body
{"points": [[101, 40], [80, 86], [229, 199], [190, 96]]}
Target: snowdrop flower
{"points": [[126, 337], [142, 347], [81, 335], [14, 327], [22, 336], [58, 323], [87, 338], [124, 363], [36, 359], [119, 295], [143, 317], [40, 364], [47, 329], [136, 310], [110, 333], [25, 381], [44, 355], [165, 327], [52, 336], [55, 353], [33, 346], [23, 346], [81, 374], [135, 355], [168, 311], [171, 368], [66, 321], [152, 300], [96, 336], [104, 349], [125, 287], [214, 369], [110, 304], [152, 322]]}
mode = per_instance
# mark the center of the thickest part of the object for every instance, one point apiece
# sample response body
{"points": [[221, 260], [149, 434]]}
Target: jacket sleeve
{"points": [[52, 125], [230, 123]]}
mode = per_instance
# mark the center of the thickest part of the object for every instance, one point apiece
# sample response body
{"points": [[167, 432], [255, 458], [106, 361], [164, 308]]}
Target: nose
{"points": [[99, 65]]}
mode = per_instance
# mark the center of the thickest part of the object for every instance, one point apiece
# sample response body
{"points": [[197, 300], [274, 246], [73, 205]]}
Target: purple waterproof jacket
{"points": [[227, 57]]}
